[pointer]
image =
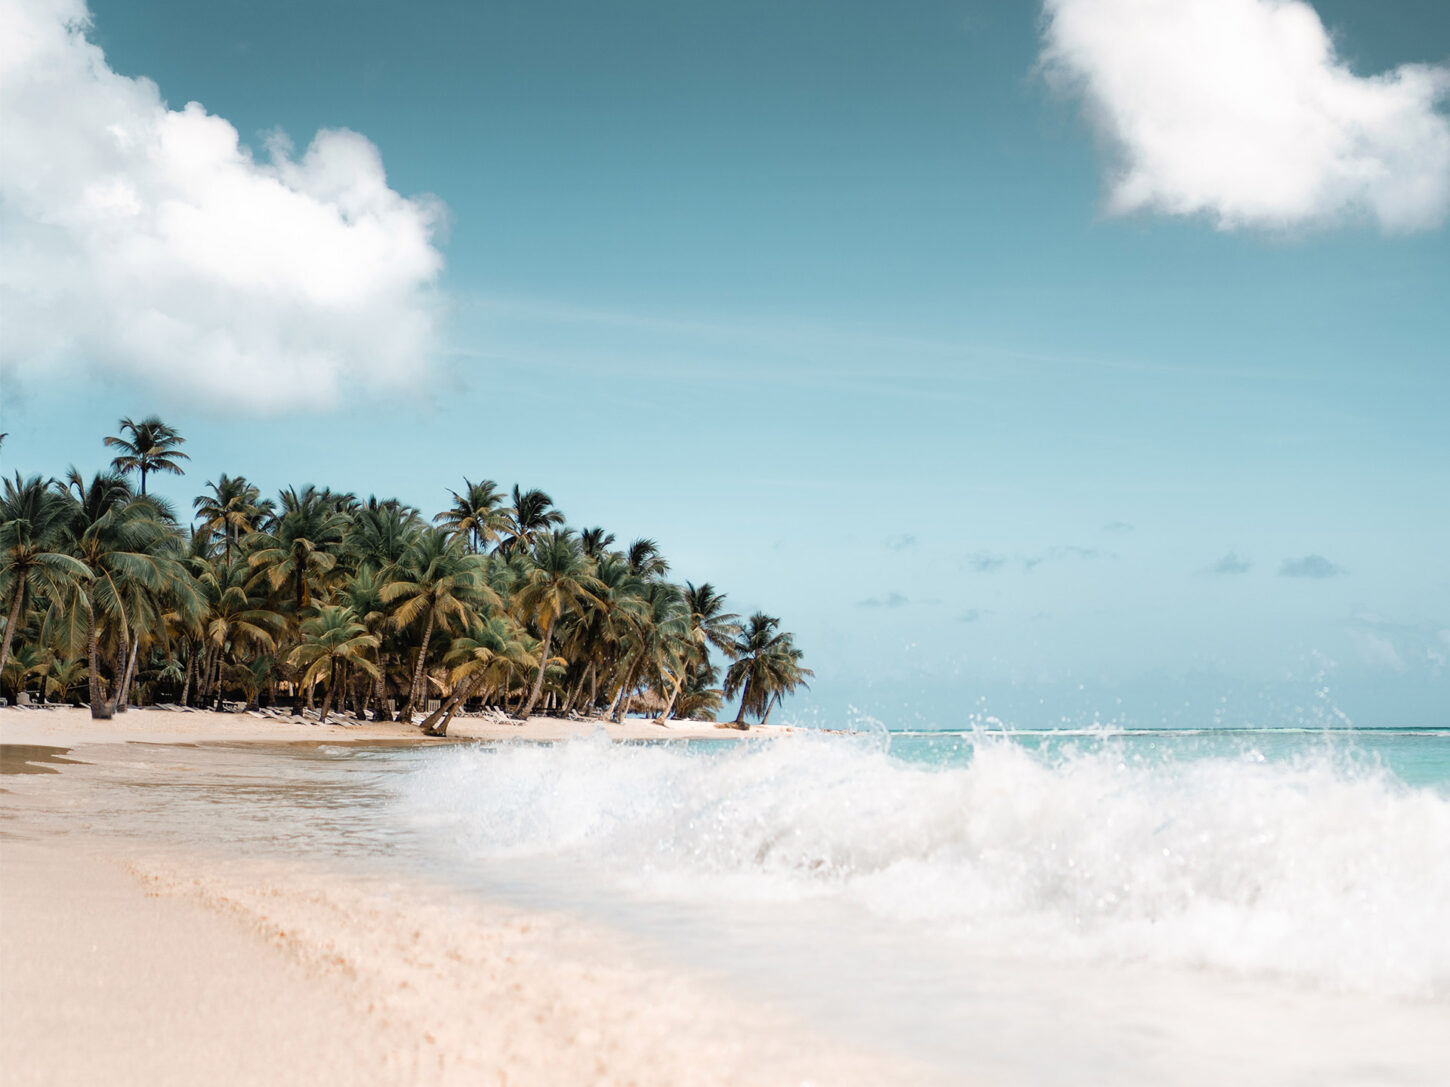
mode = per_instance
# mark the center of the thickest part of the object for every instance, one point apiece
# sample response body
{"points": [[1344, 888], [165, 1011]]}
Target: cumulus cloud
{"points": [[971, 615], [1241, 111], [1229, 564], [901, 543], [1312, 566], [1117, 526], [150, 242]]}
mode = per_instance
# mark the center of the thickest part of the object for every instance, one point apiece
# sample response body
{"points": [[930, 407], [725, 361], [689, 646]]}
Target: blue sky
{"points": [[845, 307]]}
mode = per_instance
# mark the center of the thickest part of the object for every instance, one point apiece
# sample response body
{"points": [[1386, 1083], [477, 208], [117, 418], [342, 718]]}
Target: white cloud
{"points": [[1241, 111], [148, 241]]}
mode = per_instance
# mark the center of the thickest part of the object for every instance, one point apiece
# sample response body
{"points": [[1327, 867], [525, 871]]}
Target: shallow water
{"points": [[1264, 906]]}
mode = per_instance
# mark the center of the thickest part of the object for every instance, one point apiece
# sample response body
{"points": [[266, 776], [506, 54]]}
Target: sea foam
{"points": [[1319, 869]]}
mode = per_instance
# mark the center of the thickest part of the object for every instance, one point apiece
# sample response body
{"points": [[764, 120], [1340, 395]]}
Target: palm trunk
{"points": [[124, 695], [407, 714], [674, 697], [578, 689], [380, 692], [539, 679], [99, 710], [431, 725], [11, 622], [186, 686], [626, 693], [739, 721], [327, 698], [775, 699]]}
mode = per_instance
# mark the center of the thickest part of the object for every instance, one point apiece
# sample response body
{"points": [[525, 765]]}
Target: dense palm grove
{"points": [[325, 603]]}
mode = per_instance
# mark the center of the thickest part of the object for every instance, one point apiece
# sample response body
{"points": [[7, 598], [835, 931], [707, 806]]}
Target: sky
{"points": [[1055, 362]]}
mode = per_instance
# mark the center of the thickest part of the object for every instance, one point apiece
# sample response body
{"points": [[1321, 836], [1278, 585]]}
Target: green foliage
{"points": [[493, 598]]}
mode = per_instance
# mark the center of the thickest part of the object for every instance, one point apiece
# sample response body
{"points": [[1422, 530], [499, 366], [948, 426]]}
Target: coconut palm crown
{"points": [[152, 447]]}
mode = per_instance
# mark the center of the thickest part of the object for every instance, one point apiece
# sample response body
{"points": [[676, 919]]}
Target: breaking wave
{"points": [[1321, 868]]}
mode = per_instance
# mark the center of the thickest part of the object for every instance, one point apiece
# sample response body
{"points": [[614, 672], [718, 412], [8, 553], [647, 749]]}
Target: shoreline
{"points": [[133, 959], [65, 725]]}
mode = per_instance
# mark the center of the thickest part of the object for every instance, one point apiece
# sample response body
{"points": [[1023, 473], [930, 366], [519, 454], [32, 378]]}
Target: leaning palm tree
{"points": [[487, 657], [333, 642], [767, 666], [440, 586], [33, 520], [559, 581], [477, 514], [659, 648], [152, 447]]}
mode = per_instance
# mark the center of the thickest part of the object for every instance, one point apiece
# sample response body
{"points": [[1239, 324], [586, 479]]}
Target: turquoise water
{"points": [[1416, 756]]}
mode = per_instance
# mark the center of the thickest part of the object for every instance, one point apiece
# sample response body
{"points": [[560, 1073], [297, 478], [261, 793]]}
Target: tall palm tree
{"points": [[531, 514], [332, 641], [707, 624], [233, 509], [477, 514], [559, 581], [33, 521], [134, 557], [767, 666], [437, 585], [152, 447]]}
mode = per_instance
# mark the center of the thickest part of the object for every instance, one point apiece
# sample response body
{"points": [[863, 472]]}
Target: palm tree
{"points": [[489, 656], [332, 640], [300, 548], [234, 509], [33, 521], [134, 557], [151, 448], [379, 534], [659, 647], [595, 542], [709, 625], [477, 514], [558, 582], [646, 560], [531, 514], [767, 666], [439, 584], [236, 618]]}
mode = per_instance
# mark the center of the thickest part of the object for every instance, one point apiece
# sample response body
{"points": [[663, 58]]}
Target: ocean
{"points": [[1085, 906]]}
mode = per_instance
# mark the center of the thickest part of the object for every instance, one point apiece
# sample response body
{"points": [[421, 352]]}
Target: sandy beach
{"points": [[64, 725], [126, 959]]}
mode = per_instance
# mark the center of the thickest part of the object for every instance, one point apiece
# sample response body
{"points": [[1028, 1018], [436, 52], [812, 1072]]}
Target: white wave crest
{"points": [[1317, 869]]}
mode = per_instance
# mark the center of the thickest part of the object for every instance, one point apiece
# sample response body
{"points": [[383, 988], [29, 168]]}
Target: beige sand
{"points": [[125, 961], [65, 725]]}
